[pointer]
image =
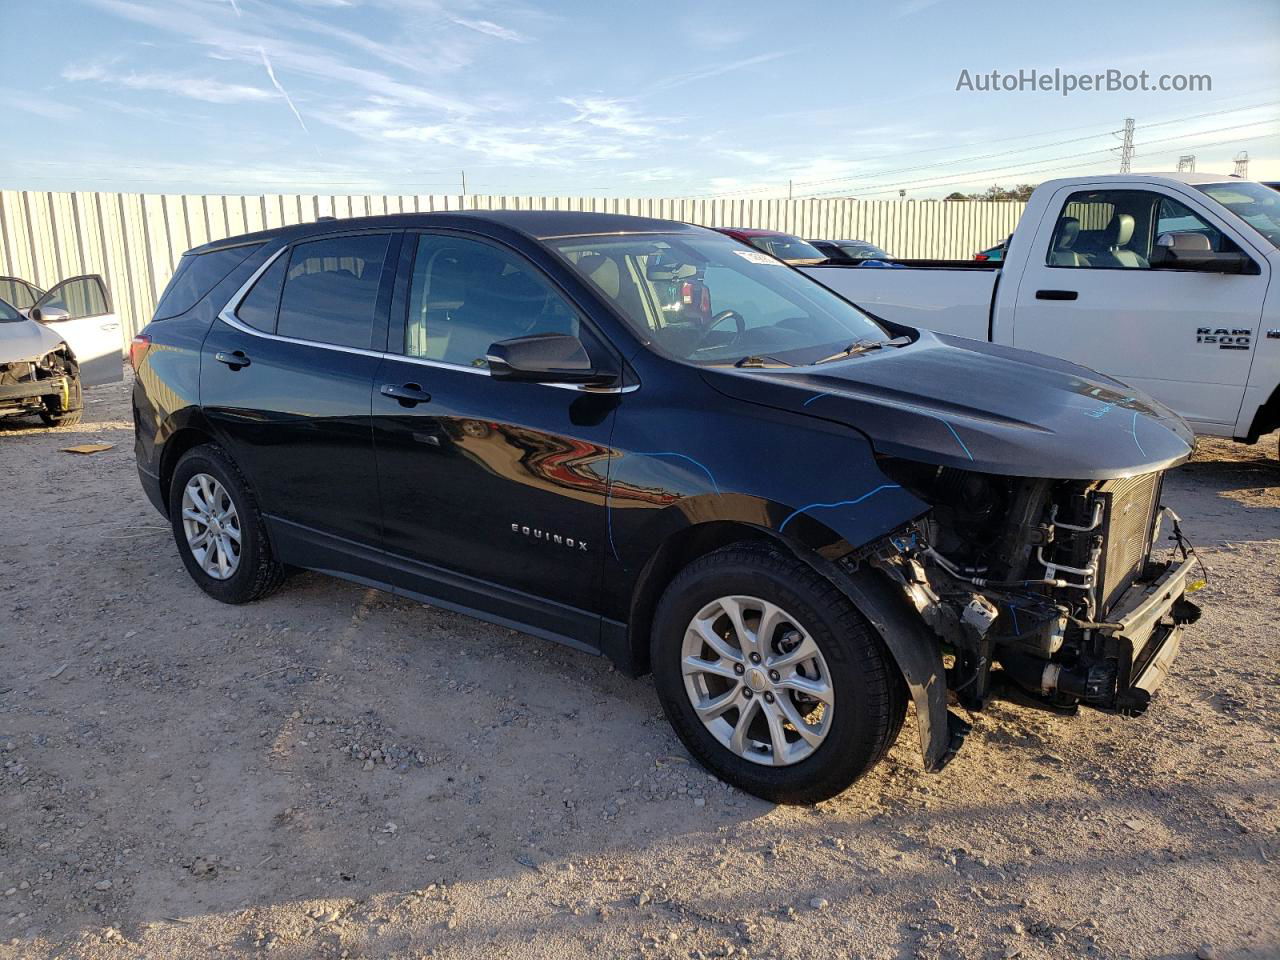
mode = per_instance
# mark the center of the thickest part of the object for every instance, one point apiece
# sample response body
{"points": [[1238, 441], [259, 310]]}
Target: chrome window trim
{"points": [[228, 316]]}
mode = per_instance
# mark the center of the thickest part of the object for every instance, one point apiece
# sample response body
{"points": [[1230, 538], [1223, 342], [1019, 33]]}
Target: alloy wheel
{"points": [[757, 680], [212, 526]]}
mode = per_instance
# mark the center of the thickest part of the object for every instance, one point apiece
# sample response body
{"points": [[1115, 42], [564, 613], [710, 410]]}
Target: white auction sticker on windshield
{"points": [[755, 256]]}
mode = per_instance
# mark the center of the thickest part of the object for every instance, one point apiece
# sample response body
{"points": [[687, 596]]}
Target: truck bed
{"points": [[948, 296]]}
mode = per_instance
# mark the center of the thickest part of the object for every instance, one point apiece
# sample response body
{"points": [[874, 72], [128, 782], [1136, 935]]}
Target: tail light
{"points": [[981, 256], [138, 347]]}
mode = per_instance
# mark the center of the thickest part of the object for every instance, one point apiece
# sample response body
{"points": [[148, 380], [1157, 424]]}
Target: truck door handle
{"points": [[235, 360], [408, 394], [1056, 294]]}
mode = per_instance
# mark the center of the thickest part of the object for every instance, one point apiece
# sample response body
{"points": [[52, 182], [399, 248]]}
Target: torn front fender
{"points": [[916, 651]]}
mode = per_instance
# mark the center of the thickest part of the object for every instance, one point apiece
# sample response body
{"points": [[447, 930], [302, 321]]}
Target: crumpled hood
{"points": [[978, 406], [25, 340]]}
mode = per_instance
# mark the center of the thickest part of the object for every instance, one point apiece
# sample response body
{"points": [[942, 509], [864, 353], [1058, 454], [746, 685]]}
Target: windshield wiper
{"points": [[754, 360], [862, 346]]}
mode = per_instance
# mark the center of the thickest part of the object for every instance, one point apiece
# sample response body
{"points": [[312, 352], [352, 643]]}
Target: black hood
{"points": [[978, 406]]}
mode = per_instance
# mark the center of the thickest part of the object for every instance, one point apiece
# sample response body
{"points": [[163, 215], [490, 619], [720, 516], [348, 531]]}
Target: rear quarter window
{"points": [[196, 275]]}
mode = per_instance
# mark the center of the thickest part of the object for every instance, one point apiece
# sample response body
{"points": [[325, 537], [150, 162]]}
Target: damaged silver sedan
{"points": [[54, 344]]}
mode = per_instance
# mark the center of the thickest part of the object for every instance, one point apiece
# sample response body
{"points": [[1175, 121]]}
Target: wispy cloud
{"points": [[611, 114], [756, 158], [242, 40], [908, 7], [491, 29], [266, 62], [178, 84], [37, 105], [563, 142], [680, 79]]}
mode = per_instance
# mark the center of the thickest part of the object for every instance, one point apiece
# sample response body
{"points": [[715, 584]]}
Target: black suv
{"points": [[796, 515]]}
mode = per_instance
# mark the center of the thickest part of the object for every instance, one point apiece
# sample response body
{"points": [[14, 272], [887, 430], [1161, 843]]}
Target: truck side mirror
{"points": [[1192, 251]]}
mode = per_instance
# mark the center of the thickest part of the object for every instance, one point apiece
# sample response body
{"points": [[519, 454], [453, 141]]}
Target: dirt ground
{"points": [[335, 772]]}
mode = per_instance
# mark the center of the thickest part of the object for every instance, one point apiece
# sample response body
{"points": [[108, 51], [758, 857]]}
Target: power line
{"points": [[959, 179], [1069, 156], [989, 156]]}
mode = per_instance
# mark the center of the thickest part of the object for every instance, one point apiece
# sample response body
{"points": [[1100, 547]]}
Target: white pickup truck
{"points": [[1164, 281]]}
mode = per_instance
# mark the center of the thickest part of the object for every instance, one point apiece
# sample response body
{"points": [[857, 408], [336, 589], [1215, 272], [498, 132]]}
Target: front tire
{"points": [[771, 677], [58, 414], [218, 528]]}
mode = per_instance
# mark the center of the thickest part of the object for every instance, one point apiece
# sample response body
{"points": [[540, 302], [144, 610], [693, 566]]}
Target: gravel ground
{"points": [[335, 772]]}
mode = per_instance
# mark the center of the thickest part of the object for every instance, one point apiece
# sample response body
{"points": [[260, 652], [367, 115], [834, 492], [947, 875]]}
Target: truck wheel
{"points": [[218, 528], [771, 677], [54, 413]]}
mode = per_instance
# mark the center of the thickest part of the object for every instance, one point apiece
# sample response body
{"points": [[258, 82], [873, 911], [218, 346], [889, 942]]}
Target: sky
{"points": [[694, 99]]}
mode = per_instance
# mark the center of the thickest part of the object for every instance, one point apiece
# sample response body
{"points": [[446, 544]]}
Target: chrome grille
{"points": [[1129, 512]]}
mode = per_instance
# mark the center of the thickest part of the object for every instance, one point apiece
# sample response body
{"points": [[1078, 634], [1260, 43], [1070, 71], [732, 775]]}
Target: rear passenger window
{"points": [[331, 290], [196, 276], [258, 308]]}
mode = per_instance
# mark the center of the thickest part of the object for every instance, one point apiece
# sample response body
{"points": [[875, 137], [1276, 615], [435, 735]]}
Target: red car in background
{"points": [[787, 248]]}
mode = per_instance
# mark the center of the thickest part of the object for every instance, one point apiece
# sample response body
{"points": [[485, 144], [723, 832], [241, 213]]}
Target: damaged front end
{"points": [[1045, 592], [33, 386]]}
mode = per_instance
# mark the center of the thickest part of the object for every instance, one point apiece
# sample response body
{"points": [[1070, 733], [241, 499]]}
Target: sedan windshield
{"points": [[9, 313], [707, 299], [1255, 204]]}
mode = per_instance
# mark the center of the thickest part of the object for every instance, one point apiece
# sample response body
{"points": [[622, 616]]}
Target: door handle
{"points": [[235, 360], [1057, 294], [407, 394]]}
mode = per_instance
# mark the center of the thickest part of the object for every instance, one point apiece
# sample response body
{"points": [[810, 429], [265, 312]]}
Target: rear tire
{"points": [[799, 610], [218, 528]]}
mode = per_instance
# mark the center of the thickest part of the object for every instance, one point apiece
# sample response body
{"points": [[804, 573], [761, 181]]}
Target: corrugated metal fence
{"points": [[135, 240]]}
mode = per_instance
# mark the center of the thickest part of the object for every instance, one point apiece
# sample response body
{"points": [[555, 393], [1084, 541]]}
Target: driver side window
{"points": [[465, 295]]}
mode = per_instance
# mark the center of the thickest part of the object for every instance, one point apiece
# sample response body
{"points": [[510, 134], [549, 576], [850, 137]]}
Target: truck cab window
{"points": [[1105, 229]]}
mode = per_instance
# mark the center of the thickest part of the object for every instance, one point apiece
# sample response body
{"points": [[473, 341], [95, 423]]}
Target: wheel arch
{"points": [[675, 553], [1266, 418], [184, 438]]}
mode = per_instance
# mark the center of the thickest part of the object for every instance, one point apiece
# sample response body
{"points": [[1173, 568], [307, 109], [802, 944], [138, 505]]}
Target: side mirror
{"points": [[1192, 251], [545, 358], [49, 314]]}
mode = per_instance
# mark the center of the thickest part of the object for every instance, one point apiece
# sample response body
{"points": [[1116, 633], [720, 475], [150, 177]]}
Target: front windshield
{"points": [[707, 299], [1255, 204], [788, 248]]}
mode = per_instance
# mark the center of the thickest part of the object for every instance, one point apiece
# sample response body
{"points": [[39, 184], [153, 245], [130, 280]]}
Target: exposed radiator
{"points": [[1129, 512]]}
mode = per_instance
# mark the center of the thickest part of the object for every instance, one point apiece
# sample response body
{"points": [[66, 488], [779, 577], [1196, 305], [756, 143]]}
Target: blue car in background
{"points": [[858, 253]]}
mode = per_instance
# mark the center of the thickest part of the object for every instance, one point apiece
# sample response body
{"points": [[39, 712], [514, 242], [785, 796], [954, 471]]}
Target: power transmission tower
{"points": [[1126, 148], [1187, 163], [1242, 165]]}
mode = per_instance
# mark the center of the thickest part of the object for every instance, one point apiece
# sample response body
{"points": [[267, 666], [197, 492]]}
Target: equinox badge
{"points": [[546, 537]]}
